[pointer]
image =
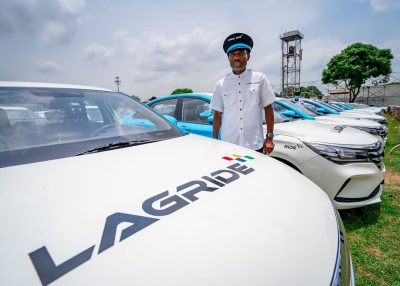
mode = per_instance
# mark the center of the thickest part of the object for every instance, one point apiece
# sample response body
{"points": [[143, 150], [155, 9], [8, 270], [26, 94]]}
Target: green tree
{"points": [[311, 91], [182, 90], [314, 91], [355, 64]]}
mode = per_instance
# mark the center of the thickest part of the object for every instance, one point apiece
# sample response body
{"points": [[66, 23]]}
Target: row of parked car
{"points": [[339, 150], [98, 189]]}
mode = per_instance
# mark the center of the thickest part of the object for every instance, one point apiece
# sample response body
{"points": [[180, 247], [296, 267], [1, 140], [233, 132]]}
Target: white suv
{"points": [[122, 197], [350, 170], [345, 162]]}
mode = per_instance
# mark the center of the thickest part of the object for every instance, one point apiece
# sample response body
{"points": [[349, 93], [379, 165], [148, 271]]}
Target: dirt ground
{"points": [[392, 177]]}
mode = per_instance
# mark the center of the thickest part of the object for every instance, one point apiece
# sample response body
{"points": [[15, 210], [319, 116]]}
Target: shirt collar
{"points": [[243, 74]]}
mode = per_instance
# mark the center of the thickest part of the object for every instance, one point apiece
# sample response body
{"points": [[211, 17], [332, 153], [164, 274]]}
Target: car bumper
{"points": [[348, 186]]}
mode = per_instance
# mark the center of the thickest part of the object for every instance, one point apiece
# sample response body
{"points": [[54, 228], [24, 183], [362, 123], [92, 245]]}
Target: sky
{"points": [[156, 46]]}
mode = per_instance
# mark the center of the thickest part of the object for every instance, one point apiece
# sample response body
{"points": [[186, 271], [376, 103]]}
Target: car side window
{"points": [[93, 112], [166, 107], [196, 111]]}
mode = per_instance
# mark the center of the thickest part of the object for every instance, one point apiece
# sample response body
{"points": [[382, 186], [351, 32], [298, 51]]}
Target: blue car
{"points": [[190, 110], [341, 105], [324, 107], [294, 109]]}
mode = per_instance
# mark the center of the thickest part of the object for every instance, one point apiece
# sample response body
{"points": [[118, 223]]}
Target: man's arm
{"points": [[269, 119], [217, 123]]}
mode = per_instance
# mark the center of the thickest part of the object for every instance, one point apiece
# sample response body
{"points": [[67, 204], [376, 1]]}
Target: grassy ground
{"points": [[374, 231], [374, 236], [392, 160]]}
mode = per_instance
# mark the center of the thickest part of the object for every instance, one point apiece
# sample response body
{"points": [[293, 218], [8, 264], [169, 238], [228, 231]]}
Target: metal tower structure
{"points": [[291, 62]]}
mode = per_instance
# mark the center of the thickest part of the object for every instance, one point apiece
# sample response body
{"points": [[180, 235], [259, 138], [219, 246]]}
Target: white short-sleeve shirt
{"points": [[241, 99]]}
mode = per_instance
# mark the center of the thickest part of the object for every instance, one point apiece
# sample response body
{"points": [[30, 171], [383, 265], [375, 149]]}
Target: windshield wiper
{"points": [[116, 145]]}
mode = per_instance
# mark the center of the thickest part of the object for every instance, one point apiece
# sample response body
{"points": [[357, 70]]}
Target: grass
{"points": [[374, 237], [374, 231], [392, 161]]}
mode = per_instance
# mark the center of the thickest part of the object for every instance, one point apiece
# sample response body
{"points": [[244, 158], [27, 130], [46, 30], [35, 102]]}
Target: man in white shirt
{"points": [[239, 99]]}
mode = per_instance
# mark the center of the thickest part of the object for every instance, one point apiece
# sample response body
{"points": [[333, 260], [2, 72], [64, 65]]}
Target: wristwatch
{"points": [[270, 135]]}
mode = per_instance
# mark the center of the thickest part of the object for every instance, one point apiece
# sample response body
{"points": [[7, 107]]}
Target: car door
{"points": [[195, 113], [167, 107]]}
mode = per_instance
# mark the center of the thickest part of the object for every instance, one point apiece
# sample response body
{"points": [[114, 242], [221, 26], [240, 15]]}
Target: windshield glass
{"points": [[278, 118], [38, 124], [338, 109], [300, 106]]}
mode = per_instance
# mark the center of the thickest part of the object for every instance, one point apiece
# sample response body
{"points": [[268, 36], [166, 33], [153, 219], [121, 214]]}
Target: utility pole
{"points": [[118, 82]]}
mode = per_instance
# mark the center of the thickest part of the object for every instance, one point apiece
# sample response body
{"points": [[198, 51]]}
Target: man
{"points": [[239, 99]]}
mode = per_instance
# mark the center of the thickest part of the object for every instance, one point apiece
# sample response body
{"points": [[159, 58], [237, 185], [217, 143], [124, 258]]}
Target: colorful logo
{"points": [[238, 158]]}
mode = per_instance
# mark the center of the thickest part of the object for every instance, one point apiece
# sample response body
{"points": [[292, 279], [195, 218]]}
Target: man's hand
{"points": [[268, 146]]}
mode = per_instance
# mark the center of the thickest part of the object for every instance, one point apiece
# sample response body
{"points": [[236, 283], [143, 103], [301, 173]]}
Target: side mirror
{"points": [[288, 113], [171, 119], [211, 119]]}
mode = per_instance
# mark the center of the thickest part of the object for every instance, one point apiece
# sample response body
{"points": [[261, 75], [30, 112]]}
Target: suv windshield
{"points": [[300, 106], [331, 106], [38, 124]]}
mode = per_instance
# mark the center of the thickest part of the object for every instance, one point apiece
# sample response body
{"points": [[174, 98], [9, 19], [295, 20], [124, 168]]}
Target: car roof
{"points": [[206, 96], [48, 85]]}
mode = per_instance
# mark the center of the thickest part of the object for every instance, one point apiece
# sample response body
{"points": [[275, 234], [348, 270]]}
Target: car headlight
{"points": [[382, 130], [343, 273], [339, 154], [380, 121], [370, 130]]}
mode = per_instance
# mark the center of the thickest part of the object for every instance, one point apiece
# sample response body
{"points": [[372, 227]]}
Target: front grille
{"points": [[375, 154], [383, 122], [382, 132]]}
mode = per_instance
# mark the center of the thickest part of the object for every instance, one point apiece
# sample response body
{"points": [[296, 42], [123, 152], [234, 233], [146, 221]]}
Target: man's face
{"points": [[238, 60]]}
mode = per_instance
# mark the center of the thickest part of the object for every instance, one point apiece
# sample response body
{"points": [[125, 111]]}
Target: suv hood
{"points": [[360, 115], [347, 121], [314, 131], [256, 229]]}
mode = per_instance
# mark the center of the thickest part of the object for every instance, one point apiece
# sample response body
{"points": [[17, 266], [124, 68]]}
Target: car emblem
{"points": [[338, 128]]}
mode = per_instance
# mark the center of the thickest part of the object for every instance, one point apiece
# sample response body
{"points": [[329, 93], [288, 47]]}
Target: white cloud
{"points": [[99, 54], [48, 67], [383, 5], [52, 21], [156, 54], [394, 46]]}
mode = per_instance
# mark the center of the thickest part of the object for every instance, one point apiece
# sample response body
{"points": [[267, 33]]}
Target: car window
{"points": [[166, 107], [93, 112], [38, 124], [195, 110], [299, 106], [278, 118], [311, 107], [331, 106]]}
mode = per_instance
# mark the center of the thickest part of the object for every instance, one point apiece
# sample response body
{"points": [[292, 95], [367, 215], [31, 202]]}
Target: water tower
{"points": [[291, 62]]}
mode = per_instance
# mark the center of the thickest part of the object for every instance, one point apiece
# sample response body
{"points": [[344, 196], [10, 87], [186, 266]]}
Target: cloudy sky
{"points": [[156, 46]]}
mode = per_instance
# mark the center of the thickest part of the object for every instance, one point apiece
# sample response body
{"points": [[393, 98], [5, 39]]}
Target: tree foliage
{"points": [[355, 64], [311, 91], [182, 90]]}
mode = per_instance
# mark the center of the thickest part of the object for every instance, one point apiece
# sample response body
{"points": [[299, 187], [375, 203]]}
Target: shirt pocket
{"points": [[253, 97], [229, 98]]}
